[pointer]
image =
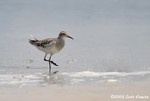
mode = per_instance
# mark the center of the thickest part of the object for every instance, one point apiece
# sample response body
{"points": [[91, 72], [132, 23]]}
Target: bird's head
{"points": [[63, 34]]}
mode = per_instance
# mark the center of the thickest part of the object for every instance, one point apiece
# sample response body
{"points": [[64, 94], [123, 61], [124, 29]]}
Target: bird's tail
{"points": [[33, 42]]}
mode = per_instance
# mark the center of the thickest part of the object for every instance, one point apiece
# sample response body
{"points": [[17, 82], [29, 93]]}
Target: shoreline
{"points": [[114, 92]]}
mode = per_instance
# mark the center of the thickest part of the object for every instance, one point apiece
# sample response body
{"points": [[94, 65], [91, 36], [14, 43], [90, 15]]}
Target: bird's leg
{"points": [[50, 64], [53, 63], [49, 60], [45, 58]]}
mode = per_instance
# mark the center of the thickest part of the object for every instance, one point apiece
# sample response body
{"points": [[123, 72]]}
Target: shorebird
{"points": [[50, 46]]}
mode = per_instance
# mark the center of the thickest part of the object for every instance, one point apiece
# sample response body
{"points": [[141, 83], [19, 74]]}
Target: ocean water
{"points": [[111, 41]]}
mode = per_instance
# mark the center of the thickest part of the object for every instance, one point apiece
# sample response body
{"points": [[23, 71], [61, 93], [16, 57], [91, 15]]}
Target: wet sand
{"points": [[108, 92]]}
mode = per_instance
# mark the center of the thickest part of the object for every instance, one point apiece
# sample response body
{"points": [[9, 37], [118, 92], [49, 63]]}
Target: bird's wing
{"points": [[45, 43]]}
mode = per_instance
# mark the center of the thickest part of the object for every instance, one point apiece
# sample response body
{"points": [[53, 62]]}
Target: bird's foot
{"points": [[51, 62], [46, 60]]}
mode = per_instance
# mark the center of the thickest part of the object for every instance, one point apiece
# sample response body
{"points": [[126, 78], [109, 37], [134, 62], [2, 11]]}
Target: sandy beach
{"points": [[114, 92]]}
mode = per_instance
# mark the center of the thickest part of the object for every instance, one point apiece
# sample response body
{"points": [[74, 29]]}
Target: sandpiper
{"points": [[50, 46]]}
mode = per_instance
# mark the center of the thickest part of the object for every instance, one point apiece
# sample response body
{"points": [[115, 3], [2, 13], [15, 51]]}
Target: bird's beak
{"points": [[69, 37]]}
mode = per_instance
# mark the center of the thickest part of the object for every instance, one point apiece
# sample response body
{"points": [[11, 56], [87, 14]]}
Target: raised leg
{"points": [[49, 60], [53, 63], [45, 57]]}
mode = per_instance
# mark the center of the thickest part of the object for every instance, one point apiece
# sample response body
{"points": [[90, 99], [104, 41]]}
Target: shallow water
{"points": [[38, 77]]}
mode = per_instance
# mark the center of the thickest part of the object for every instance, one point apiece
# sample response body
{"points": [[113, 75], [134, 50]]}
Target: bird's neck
{"points": [[61, 38]]}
